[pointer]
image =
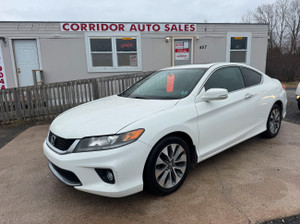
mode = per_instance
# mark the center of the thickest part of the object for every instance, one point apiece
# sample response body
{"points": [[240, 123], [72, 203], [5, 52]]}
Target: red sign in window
{"points": [[170, 83], [182, 50]]}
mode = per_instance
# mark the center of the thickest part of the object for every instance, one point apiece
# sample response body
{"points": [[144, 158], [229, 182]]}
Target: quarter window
{"points": [[229, 78], [251, 77]]}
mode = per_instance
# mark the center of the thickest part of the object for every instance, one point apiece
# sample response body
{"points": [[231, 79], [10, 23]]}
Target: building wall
{"points": [[9, 66], [64, 55], [63, 58], [213, 49], [156, 53], [259, 52]]}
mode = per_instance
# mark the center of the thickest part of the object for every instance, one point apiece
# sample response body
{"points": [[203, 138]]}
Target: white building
{"points": [[79, 50]]}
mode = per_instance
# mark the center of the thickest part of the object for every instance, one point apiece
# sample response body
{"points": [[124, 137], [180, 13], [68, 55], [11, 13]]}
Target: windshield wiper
{"points": [[139, 97]]}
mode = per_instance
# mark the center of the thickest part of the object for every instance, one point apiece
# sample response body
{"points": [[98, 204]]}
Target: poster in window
{"points": [[182, 51], [133, 60], [178, 44]]}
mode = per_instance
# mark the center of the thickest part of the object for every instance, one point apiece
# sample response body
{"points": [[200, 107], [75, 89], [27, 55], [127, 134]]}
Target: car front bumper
{"points": [[127, 164]]}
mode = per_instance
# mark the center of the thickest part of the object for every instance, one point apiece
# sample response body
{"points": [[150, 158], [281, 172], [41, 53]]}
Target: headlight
{"points": [[108, 142]]}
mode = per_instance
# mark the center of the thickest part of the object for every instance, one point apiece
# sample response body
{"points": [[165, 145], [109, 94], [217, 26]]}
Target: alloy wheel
{"points": [[170, 165], [274, 121]]}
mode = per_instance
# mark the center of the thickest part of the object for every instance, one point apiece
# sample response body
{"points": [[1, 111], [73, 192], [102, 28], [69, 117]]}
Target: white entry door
{"points": [[27, 59]]}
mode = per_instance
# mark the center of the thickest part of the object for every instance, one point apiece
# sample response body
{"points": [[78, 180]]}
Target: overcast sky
{"points": [[195, 11]]}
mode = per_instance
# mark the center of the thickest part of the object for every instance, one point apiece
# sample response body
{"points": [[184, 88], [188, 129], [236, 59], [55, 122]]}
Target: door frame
{"points": [[13, 56], [182, 38]]}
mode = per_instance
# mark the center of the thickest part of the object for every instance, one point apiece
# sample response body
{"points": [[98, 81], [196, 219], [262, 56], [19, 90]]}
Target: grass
{"points": [[290, 84]]}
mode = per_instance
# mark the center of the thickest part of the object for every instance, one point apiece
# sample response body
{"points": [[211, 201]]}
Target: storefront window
{"points": [[113, 53], [238, 49], [126, 51], [101, 51]]}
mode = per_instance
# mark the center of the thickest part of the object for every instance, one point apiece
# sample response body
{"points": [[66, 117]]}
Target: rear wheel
{"points": [[167, 166], [274, 122]]}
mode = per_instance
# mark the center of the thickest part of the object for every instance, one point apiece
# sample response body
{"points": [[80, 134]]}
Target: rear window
{"points": [[251, 77]]}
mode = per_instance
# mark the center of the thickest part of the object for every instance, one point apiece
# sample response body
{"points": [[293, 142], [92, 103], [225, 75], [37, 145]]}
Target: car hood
{"points": [[105, 116]]}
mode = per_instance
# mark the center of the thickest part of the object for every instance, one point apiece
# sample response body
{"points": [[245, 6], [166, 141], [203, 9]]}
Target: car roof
{"points": [[208, 65]]}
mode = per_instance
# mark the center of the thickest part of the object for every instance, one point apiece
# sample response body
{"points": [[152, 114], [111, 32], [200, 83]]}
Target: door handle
{"points": [[248, 96]]}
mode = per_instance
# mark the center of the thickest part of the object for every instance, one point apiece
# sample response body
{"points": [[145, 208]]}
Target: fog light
{"points": [[106, 175], [109, 176]]}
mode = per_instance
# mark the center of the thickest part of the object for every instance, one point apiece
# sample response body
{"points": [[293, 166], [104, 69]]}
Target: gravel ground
{"points": [[9, 132]]}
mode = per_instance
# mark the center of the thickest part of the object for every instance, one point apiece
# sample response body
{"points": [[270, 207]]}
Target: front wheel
{"points": [[274, 122], [167, 166]]}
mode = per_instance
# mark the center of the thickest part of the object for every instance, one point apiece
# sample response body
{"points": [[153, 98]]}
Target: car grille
{"points": [[60, 143]]}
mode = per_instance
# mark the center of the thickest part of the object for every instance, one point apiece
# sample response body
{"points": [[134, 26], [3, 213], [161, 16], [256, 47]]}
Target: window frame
{"points": [[228, 45], [114, 67]]}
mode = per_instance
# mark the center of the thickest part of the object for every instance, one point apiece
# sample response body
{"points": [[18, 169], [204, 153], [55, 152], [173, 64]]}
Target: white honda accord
{"points": [[152, 133]]}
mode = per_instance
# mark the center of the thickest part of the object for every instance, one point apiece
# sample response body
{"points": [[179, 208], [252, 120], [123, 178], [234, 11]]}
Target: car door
{"points": [[256, 89], [222, 123]]}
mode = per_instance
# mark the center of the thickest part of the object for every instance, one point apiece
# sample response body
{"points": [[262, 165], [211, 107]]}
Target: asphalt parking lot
{"points": [[293, 113], [252, 182], [255, 181]]}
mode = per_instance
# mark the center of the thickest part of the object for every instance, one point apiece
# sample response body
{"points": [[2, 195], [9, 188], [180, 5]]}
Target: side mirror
{"points": [[212, 94]]}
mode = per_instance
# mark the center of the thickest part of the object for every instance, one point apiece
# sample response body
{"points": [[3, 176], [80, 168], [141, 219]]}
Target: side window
{"points": [[229, 78], [251, 77]]}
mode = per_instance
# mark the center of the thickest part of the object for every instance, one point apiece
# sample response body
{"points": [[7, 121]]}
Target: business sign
{"points": [[127, 27], [3, 83]]}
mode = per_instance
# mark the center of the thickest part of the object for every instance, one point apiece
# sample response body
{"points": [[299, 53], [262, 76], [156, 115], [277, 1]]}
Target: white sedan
{"points": [[151, 134]]}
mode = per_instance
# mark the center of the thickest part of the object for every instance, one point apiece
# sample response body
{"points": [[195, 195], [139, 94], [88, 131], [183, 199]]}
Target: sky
{"points": [[194, 11]]}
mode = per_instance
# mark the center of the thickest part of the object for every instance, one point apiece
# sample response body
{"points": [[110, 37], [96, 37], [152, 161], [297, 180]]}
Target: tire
{"points": [[167, 166], [274, 122]]}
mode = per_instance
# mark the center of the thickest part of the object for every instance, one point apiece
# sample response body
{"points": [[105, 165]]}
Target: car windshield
{"points": [[166, 84]]}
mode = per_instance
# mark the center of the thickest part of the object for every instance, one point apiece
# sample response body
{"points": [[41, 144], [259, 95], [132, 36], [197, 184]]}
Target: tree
{"points": [[283, 18], [248, 17], [266, 14], [281, 13], [293, 23]]}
